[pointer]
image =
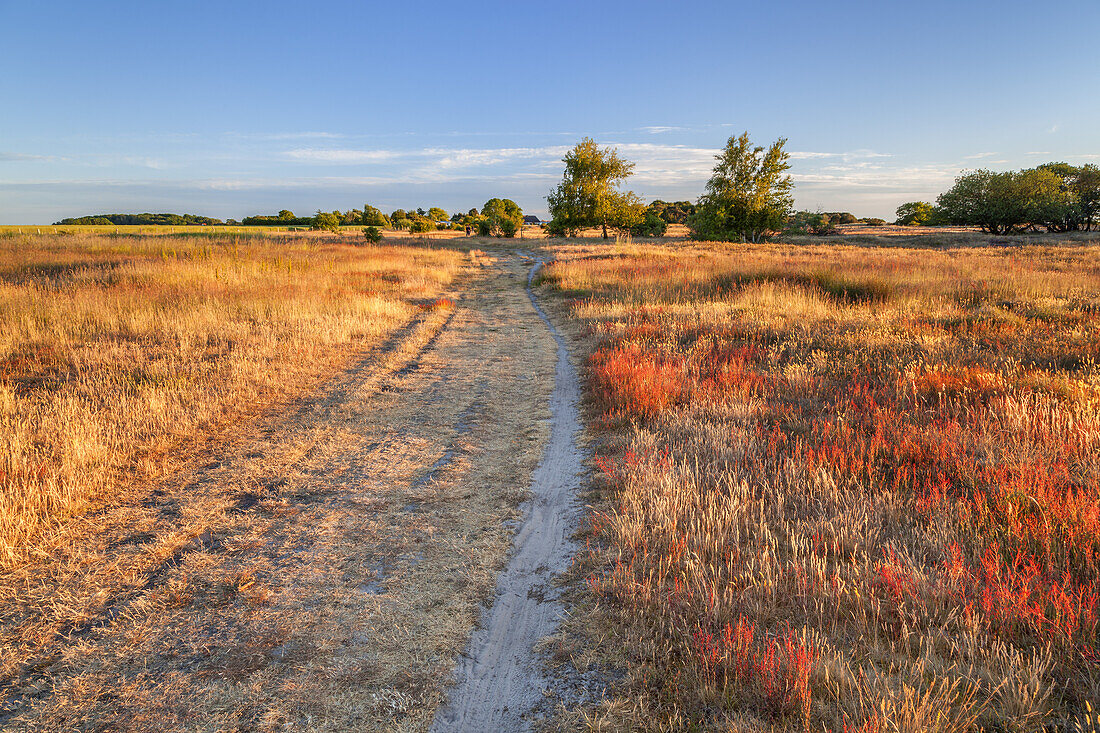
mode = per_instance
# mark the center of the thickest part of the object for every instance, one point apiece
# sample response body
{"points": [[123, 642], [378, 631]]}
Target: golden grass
{"points": [[115, 350], [842, 488]]}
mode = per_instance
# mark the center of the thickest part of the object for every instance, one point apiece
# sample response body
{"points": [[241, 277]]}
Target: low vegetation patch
{"points": [[114, 349], [842, 488]]}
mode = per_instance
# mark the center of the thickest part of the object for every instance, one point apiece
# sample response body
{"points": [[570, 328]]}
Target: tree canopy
{"points": [[502, 215], [748, 195], [916, 213], [588, 194]]}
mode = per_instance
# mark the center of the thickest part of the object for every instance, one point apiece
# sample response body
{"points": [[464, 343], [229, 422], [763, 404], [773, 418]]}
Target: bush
{"points": [[508, 227], [327, 221], [875, 222], [484, 228], [421, 224], [652, 226], [372, 234]]}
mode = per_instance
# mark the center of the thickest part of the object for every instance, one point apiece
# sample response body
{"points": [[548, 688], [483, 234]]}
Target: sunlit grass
{"points": [[846, 488], [114, 350]]}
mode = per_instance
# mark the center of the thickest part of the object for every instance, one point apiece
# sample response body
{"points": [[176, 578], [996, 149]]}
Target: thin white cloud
{"points": [[976, 156], [660, 129], [1038, 152], [16, 157]]}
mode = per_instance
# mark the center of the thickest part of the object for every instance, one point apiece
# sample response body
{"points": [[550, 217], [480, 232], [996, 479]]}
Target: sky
{"points": [[231, 108]]}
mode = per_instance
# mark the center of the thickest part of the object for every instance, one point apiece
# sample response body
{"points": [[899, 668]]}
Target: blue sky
{"points": [[236, 108]]}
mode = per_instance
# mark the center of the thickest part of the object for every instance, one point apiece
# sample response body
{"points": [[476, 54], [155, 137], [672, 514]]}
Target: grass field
{"points": [[117, 351], [841, 488]]}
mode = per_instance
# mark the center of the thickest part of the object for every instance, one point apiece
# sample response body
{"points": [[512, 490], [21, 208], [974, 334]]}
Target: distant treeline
{"points": [[141, 219]]}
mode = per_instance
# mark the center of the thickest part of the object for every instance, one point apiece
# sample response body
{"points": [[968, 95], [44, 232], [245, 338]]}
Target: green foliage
{"points": [[916, 213], [373, 217], [420, 224], [402, 224], [398, 214], [810, 222], [588, 194], [508, 227], [839, 218], [1008, 202], [873, 222], [651, 226], [498, 211], [328, 220], [141, 219], [676, 212], [484, 228], [437, 214], [286, 215], [748, 195], [372, 234]]}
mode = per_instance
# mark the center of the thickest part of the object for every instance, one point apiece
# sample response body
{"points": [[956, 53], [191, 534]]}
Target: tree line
{"points": [[1057, 197]]}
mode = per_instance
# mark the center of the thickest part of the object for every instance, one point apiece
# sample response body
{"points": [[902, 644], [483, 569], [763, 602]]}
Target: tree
{"points": [[1006, 202], [286, 215], [402, 223], [420, 224], [437, 214], [398, 214], [373, 217], [588, 194], [748, 195], [327, 220], [651, 226], [372, 234], [916, 213], [499, 211], [352, 216]]}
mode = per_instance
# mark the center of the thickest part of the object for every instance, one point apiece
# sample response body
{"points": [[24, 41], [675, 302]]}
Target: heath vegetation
{"points": [[115, 349], [841, 488]]}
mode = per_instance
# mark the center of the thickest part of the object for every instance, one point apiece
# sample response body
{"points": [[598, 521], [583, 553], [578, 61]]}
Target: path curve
{"points": [[500, 679]]}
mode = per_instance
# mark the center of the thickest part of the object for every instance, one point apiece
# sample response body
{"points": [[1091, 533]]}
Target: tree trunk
{"points": [[605, 230]]}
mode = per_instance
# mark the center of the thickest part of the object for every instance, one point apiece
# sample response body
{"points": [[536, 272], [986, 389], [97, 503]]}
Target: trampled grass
{"points": [[842, 488], [115, 351]]}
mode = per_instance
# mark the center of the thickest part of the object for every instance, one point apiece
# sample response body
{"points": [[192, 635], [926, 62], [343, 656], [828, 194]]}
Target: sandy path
{"points": [[322, 570], [500, 678]]}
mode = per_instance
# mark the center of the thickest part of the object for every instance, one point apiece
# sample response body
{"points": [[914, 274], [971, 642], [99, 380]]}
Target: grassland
{"points": [[840, 487], [116, 352]]}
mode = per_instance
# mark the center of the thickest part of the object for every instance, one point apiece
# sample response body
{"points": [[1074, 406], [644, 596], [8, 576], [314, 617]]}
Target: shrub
{"points": [[372, 234], [508, 227]]}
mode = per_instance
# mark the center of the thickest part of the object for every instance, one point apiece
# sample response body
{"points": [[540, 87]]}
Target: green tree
{"points": [[402, 224], [588, 194], [398, 214], [437, 214], [420, 224], [286, 214], [373, 217], [1006, 202], [651, 226], [372, 234], [916, 213], [499, 211], [327, 220], [748, 195]]}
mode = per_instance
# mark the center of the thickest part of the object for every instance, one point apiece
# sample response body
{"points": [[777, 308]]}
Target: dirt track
{"points": [[500, 679], [324, 567]]}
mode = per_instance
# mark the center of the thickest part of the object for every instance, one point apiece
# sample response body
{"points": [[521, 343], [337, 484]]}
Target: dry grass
{"points": [[843, 488], [116, 350]]}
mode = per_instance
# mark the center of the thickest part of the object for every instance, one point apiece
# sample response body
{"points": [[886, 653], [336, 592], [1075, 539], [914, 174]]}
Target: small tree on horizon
{"points": [[588, 194], [748, 195]]}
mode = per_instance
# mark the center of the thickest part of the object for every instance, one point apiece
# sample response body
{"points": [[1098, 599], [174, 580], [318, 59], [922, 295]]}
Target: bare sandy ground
{"points": [[322, 567], [500, 679]]}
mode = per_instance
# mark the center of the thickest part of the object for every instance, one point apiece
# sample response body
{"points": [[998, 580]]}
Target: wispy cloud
{"points": [[976, 156], [1037, 152], [14, 157], [660, 129]]}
